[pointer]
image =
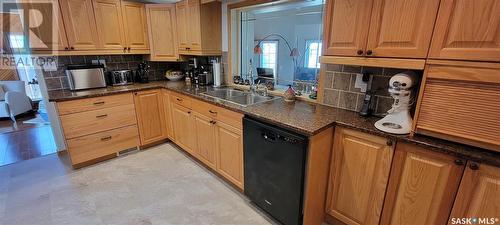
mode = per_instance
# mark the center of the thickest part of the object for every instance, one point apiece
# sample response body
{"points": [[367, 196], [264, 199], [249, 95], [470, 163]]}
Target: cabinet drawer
{"points": [[461, 104], [88, 104], [93, 146], [180, 100], [218, 113], [84, 123]]}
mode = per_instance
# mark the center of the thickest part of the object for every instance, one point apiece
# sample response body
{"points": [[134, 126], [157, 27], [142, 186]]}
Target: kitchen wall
{"points": [[56, 80], [340, 91]]}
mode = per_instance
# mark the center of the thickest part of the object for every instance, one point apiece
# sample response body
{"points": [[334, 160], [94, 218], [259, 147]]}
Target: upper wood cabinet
{"points": [[479, 193], [80, 25], [103, 27], [110, 28], [359, 174], [199, 27], [400, 28], [346, 27], [379, 28], [150, 116], [46, 36], [467, 30], [135, 25], [162, 32], [181, 9], [422, 186]]}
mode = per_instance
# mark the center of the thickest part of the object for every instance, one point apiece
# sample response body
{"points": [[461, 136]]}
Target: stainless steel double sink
{"points": [[238, 97]]}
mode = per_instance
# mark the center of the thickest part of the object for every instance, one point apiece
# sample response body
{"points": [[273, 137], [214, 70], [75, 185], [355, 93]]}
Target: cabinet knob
{"points": [[474, 166], [66, 48], [359, 52], [189, 112], [124, 48], [459, 162], [128, 48], [389, 142], [369, 52], [72, 48]]}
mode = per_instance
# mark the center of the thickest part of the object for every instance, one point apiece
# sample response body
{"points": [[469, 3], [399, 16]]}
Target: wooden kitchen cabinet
{"points": [[458, 101], [181, 9], [135, 27], [167, 109], [467, 30], [359, 173], [422, 186], [109, 23], [346, 27], [205, 138], [399, 28], [99, 127], [80, 25], [199, 27], [229, 145], [184, 128], [150, 116], [45, 37], [379, 28], [163, 41], [479, 193]]}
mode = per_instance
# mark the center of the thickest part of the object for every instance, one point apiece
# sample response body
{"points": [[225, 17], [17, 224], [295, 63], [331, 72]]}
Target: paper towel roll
{"points": [[217, 74]]}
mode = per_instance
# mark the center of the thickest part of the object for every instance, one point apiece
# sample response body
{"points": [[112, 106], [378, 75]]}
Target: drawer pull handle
{"points": [[213, 112], [107, 138], [99, 103], [213, 122], [178, 99], [101, 116]]}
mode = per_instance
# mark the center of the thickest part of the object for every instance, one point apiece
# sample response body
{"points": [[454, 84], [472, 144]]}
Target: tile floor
{"points": [[160, 185]]}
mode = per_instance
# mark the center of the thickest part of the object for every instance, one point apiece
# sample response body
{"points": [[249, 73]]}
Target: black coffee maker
{"points": [[141, 74]]}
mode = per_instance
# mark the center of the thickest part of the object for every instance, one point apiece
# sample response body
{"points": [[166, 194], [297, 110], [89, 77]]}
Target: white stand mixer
{"points": [[398, 119]]}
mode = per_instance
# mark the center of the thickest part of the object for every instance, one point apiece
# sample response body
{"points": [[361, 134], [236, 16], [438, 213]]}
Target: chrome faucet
{"points": [[260, 89]]}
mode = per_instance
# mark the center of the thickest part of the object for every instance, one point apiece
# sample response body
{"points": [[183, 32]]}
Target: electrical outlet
{"points": [[360, 83]]}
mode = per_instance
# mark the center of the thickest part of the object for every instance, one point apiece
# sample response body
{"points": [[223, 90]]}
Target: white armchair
{"points": [[16, 101]]}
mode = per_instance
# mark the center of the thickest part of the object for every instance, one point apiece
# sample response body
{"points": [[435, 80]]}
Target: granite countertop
{"points": [[302, 117]]}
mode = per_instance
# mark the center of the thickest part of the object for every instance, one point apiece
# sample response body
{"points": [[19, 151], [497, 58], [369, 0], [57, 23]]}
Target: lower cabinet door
{"points": [[184, 131], [167, 107], [478, 195], [150, 116], [205, 139], [359, 174], [229, 145], [422, 186]]}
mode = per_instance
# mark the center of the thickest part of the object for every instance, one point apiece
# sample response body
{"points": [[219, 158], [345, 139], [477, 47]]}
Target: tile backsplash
{"points": [[56, 80], [340, 91]]}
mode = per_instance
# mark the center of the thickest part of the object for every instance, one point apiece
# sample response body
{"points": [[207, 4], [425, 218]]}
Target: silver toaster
{"points": [[85, 76]]}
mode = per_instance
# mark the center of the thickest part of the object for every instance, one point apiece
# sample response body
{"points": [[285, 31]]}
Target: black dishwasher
{"points": [[274, 162]]}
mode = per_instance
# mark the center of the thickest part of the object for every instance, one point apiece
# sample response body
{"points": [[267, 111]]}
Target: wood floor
{"points": [[24, 141]]}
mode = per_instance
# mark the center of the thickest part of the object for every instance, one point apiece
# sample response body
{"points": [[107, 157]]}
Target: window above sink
{"points": [[278, 43]]}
